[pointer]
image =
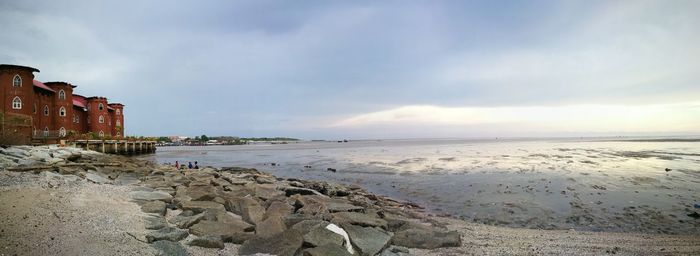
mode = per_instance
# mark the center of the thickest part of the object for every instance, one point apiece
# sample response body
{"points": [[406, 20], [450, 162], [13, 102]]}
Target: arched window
{"points": [[119, 134], [61, 95], [62, 132], [46, 110], [17, 81], [102, 119], [119, 123], [62, 111], [46, 132], [119, 112], [34, 108], [100, 107], [102, 134], [17, 103], [77, 119]]}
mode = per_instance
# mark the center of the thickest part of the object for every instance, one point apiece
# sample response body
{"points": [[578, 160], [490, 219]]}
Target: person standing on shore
{"points": [[177, 164], [196, 166], [189, 165]]}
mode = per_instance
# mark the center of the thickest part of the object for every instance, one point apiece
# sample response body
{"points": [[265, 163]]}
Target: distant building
{"points": [[35, 110]]}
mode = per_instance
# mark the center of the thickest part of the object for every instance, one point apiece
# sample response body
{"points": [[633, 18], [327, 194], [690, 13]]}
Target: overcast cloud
{"points": [[371, 69]]}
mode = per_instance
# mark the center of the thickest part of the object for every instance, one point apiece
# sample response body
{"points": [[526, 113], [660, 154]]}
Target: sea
{"points": [[647, 185]]}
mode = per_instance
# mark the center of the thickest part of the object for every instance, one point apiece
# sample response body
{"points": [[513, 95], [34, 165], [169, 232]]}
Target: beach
{"points": [[591, 184], [62, 209]]}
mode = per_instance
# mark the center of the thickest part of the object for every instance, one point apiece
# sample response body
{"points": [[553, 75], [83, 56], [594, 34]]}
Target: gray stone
{"points": [[343, 207], [319, 236], [368, 240], [229, 232], [287, 243], [167, 233], [426, 238], [185, 221], [157, 207], [360, 219], [327, 250], [168, 248], [201, 193], [395, 251], [97, 177], [155, 223], [208, 241], [201, 206], [267, 191], [150, 196], [126, 179], [270, 227], [251, 210]]}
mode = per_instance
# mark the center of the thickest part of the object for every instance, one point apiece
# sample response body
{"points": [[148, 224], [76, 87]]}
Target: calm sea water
{"points": [[586, 184]]}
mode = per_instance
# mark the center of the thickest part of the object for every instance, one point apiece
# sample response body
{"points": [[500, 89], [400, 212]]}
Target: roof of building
{"points": [[42, 86], [79, 101], [116, 104], [18, 66], [60, 82]]}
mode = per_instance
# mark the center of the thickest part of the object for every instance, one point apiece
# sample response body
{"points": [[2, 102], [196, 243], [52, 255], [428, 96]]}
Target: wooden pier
{"points": [[120, 147]]}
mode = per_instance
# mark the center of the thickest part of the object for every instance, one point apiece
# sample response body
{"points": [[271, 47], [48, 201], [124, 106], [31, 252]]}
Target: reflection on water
{"points": [[551, 184]]}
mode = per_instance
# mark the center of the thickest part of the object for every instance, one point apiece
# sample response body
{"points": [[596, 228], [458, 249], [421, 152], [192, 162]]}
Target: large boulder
{"points": [[287, 243], [157, 207], [184, 221], [97, 177], [168, 248], [201, 193], [327, 250], [229, 232], [167, 233], [150, 196], [360, 219], [208, 241], [369, 241], [201, 206], [426, 238], [319, 236], [251, 210]]}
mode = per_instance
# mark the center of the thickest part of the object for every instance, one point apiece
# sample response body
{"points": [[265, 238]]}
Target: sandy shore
{"points": [[42, 216]]}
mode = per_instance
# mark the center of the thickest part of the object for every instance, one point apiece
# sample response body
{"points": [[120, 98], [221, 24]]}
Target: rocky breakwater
{"points": [[256, 211]]}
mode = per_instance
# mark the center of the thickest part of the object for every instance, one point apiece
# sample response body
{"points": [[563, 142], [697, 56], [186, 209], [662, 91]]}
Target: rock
{"points": [[292, 219], [201, 206], [168, 248], [157, 207], [126, 179], [201, 193], [97, 177], [267, 191], [229, 232], [287, 243], [150, 196], [343, 207], [184, 221], [327, 250], [368, 240], [360, 219], [301, 191], [251, 210], [426, 238], [264, 180], [319, 236], [208, 241], [167, 233], [395, 251], [155, 223], [270, 227]]}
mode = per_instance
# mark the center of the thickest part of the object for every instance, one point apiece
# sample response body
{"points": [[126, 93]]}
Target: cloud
{"points": [[679, 117]]}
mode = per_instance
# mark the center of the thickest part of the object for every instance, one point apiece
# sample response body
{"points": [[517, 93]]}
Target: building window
{"points": [[35, 131], [119, 112], [62, 111], [119, 124], [17, 81], [62, 132], [102, 134], [34, 108], [46, 110], [88, 107], [61, 95], [77, 119], [102, 119], [17, 103], [100, 107], [46, 132]]}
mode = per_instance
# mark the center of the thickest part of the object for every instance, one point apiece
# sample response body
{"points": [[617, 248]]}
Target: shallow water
{"points": [[583, 184]]}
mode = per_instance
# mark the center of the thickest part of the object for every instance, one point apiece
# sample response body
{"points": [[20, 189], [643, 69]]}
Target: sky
{"points": [[372, 69]]}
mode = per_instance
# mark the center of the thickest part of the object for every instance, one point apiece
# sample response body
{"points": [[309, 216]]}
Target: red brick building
{"points": [[35, 110]]}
